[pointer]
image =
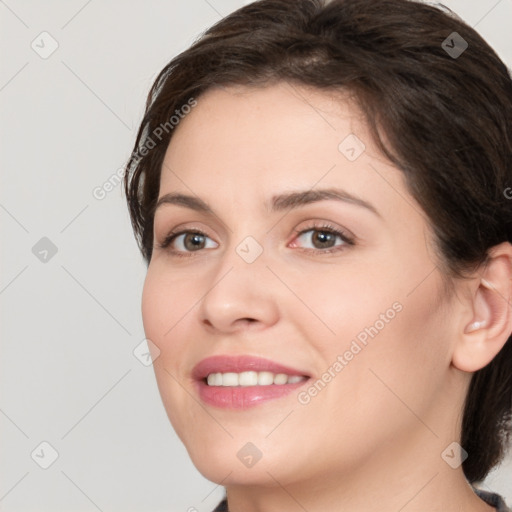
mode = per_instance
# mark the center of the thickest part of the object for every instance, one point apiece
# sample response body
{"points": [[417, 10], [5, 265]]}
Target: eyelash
{"points": [[324, 228]]}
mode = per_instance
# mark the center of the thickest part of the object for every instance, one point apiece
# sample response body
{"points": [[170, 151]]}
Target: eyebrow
{"points": [[286, 201]]}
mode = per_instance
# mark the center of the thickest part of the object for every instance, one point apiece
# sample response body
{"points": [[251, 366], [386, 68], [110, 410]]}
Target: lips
{"points": [[238, 364], [241, 397]]}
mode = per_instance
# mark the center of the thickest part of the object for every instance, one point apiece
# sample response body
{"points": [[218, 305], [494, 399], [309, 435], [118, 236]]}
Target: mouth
{"points": [[245, 370], [239, 382]]}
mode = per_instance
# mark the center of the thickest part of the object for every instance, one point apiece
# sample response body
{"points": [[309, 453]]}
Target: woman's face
{"points": [[362, 313]]}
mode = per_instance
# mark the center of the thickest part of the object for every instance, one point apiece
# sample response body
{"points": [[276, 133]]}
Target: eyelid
{"points": [[326, 225], [171, 235], [348, 238]]}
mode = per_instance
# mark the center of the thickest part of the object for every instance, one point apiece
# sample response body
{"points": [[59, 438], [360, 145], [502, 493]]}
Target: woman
{"points": [[321, 192]]}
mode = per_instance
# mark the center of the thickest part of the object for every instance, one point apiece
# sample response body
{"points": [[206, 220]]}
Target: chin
{"points": [[233, 474], [233, 462]]}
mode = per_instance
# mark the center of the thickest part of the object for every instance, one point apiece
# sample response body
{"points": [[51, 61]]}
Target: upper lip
{"points": [[240, 363]]}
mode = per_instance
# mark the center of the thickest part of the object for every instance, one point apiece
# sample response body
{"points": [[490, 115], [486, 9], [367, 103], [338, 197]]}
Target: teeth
{"points": [[252, 378]]}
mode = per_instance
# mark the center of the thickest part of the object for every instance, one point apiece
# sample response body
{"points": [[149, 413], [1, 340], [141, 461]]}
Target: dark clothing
{"points": [[495, 500], [222, 506]]}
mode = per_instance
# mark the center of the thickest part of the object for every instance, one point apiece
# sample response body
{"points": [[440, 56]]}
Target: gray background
{"points": [[71, 322]]}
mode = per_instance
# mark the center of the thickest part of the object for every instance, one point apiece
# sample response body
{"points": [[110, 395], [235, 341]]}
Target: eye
{"points": [[323, 237], [185, 241]]}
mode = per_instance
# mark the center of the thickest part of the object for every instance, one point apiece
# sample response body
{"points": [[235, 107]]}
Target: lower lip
{"points": [[244, 397]]}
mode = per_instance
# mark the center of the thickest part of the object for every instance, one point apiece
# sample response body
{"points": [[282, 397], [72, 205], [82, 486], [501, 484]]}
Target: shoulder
{"points": [[493, 499], [223, 506]]}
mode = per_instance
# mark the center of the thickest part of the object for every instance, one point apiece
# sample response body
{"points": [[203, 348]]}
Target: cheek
{"points": [[164, 313], [153, 301], [340, 303], [389, 338], [166, 310], [402, 366], [166, 302]]}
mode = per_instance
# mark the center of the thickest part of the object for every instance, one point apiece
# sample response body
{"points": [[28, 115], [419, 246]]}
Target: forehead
{"points": [[259, 140], [280, 118]]}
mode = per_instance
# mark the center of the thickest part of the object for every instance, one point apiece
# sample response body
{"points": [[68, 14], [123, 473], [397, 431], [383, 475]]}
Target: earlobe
{"points": [[490, 324]]}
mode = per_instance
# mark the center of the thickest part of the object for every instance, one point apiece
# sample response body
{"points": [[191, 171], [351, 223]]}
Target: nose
{"points": [[239, 295]]}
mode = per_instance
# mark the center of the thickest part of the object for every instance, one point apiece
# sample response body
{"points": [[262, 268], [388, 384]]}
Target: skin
{"points": [[376, 432]]}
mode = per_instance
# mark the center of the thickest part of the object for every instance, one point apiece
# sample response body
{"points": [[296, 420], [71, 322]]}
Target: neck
{"points": [[391, 481]]}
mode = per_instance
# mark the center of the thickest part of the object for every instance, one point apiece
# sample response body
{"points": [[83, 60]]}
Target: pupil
{"points": [[195, 239]]}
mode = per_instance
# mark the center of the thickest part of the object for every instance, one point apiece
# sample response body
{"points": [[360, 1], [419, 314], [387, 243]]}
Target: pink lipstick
{"points": [[240, 382]]}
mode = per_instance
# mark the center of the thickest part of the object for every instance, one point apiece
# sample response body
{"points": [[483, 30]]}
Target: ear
{"points": [[488, 323]]}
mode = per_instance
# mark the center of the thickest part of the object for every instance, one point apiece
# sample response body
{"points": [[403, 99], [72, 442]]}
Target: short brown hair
{"points": [[446, 115]]}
